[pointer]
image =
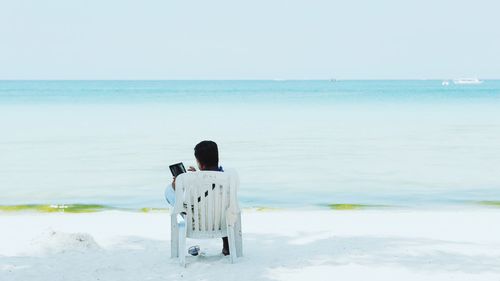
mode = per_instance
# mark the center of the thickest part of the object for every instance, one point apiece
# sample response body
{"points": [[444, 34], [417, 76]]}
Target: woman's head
{"points": [[207, 155]]}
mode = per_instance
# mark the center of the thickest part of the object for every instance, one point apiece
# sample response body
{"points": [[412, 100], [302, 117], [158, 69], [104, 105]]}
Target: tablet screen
{"points": [[177, 169]]}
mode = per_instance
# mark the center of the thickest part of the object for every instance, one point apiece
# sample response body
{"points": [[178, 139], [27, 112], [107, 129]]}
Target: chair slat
{"points": [[194, 205], [217, 207], [201, 206], [210, 208], [223, 205], [205, 208]]}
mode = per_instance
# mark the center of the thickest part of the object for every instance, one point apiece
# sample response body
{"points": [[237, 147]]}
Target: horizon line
{"points": [[253, 79]]}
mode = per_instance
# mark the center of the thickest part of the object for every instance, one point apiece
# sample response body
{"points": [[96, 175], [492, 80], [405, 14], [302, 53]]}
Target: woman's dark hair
{"points": [[207, 153]]}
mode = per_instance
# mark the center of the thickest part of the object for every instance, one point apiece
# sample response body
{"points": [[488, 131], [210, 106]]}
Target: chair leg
{"points": [[238, 236], [182, 241], [174, 237], [232, 245]]}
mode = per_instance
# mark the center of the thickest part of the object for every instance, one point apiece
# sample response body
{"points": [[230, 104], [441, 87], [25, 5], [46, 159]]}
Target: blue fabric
{"points": [[170, 192], [170, 195]]}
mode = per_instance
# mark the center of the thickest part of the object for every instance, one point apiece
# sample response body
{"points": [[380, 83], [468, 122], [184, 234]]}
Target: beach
{"points": [[279, 244]]}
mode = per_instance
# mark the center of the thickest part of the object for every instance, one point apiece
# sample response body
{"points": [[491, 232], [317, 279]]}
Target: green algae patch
{"points": [[490, 203], [81, 208], [70, 208], [347, 207], [149, 210]]}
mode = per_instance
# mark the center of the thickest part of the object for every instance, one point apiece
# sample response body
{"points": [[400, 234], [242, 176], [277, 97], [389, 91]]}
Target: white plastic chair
{"points": [[206, 206]]}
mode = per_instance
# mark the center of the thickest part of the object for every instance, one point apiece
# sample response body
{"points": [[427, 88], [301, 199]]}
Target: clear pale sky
{"points": [[258, 39]]}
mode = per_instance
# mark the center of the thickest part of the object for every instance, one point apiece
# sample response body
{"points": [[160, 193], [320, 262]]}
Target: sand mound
{"points": [[55, 242]]}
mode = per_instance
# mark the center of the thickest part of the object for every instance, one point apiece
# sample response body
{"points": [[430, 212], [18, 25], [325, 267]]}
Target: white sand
{"points": [[278, 245]]}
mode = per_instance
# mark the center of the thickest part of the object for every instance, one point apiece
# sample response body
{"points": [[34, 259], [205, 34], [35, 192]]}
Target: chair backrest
{"points": [[206, 197]]}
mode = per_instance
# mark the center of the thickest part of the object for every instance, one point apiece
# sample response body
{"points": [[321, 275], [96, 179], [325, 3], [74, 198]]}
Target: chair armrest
{"points": [[179, 206]]}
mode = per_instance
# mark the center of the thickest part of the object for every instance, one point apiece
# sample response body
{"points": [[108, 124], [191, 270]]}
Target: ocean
{"points": [[294, 143]]}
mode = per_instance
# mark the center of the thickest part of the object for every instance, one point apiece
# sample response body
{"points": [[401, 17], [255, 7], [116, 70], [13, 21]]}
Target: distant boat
{"points": [[445, 83], [467, 81]]}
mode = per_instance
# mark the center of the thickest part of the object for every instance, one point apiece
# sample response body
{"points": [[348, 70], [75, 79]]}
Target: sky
{"points": [[258, 39]]}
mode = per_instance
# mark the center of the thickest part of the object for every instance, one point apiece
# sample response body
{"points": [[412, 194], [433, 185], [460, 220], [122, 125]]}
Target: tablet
{"points": [[177, 169]]}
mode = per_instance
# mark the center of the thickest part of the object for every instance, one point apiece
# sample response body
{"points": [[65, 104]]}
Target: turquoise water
{"points": [[256, 92], [294, 143]]}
